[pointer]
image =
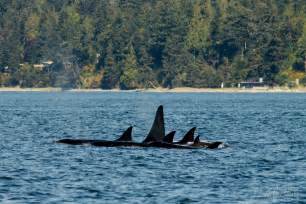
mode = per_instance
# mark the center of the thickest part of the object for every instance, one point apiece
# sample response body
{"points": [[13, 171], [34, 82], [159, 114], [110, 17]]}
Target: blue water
{"points": [[265, 162]]}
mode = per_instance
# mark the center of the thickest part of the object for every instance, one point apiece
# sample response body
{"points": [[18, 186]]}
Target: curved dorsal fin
{"points": [[169, 137], [196, 140], [157, 132], [189, 136], [126, 136]]}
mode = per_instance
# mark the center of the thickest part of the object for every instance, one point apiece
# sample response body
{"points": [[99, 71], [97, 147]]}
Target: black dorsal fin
{"points": [[157, 132], [169, 137], [188, 137], [196, 140], [126, 136]]}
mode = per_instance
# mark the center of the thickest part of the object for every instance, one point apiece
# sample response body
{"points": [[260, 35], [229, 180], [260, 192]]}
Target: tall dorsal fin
{"points": [[169, 137], [126, 136], [189, 136], [196, 140], [157, 132]]}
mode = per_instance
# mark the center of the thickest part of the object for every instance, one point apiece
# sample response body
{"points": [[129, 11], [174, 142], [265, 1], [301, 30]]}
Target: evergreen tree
{"points": [[129, 78], [151, 43]]}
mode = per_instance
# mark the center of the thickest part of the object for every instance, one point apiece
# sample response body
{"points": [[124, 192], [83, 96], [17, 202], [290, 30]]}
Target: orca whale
{"points": [[210, 145], [169, 137], [155, 138], [188, 137], [156, 134], [126, 137], [189, 140], [157, 131]]}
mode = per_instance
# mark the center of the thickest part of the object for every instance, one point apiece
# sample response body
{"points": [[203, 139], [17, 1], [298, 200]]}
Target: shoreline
{"points": [[162, 90]]}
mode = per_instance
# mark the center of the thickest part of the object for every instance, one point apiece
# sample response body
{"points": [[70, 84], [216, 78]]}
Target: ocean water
{"points": [[264, 163]]}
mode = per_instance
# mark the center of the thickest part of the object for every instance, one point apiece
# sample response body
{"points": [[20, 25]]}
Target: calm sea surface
{"points": [[265, 163]]}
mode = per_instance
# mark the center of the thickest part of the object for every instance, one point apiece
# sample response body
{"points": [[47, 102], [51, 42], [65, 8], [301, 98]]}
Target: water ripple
{"points": [[265, 162]]}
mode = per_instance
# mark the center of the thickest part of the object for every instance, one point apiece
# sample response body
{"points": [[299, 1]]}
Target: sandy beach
{"points": [[164, 90], [226, 90], [18, 89]]}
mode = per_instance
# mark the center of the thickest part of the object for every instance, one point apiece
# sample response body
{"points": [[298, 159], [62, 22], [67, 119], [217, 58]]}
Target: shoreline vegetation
{"points": [[164, 90], [147, 44]]}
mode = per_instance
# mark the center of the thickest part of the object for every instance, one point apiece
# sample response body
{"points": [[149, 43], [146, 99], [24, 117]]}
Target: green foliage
{"points": [[129, 78], [282, 79], [29, 76], [141, 43], [200, 26]]}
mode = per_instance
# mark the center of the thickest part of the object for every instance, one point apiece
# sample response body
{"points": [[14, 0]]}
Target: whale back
{"points": [[188, 137], [126, 136], [214, 145], [169, 137], [157, 132]]}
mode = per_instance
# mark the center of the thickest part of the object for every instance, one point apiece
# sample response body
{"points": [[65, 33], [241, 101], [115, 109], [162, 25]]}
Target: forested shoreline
{"points": [[130, 44]]}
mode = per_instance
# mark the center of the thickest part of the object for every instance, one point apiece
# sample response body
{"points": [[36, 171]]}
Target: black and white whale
{"points": [[125, 137], [189, 140], [210, 145], [155, 138], [169, 137]]}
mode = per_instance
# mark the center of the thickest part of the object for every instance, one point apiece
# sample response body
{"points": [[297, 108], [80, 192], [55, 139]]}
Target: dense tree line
{"points": [[149, 43]]}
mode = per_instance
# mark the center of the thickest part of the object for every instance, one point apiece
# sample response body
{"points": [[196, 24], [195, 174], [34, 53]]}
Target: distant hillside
{"points": [[149, 43]]}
